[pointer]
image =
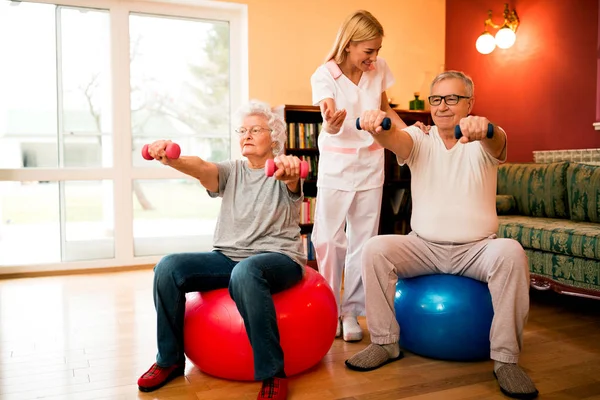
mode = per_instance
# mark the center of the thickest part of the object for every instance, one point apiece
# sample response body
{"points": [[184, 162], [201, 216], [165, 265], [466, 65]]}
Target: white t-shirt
{"points": [[453, 191], [350, 160]]}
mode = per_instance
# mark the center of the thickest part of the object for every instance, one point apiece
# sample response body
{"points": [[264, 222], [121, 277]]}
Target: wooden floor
{"points": [[90, 337]]}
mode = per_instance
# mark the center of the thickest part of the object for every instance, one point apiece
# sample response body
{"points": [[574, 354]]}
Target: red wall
{"points": [[598, 76], [542, 90]]}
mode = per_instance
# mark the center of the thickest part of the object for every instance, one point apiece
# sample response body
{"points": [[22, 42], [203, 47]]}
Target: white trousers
{"points": [[338, 252]]}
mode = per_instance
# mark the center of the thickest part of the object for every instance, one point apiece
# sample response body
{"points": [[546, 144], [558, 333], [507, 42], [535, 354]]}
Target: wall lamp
{"points": [[505, 37]]}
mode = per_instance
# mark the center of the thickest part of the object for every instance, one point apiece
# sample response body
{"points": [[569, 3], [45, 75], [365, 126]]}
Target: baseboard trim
{"points": [[84, 271]]}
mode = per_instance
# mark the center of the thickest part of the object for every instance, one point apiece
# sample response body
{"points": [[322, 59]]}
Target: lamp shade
{"points": [[485, 43], [505, 38]]}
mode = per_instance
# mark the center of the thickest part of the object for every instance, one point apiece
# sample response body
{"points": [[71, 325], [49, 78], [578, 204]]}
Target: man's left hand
{"points": [[473, 128]]}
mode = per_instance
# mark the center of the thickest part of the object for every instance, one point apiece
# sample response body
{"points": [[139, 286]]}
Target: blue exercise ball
{"points": [[445, 317]]}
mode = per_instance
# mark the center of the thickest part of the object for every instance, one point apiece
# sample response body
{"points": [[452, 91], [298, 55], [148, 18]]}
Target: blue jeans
{"points": [[251, 283]]}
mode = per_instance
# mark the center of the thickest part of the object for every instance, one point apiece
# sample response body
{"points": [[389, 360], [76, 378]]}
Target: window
{"points": [[83, 90]]}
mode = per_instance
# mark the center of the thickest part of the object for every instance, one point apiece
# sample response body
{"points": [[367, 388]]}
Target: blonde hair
{"points": [[358, 27]]}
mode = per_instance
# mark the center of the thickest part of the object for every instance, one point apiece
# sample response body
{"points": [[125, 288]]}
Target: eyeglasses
{"points": [[255, 130], [450, 99]]}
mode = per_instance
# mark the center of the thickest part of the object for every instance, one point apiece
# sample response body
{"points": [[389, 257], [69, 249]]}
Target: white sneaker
{"points": [[338, 331], [352, 332]]}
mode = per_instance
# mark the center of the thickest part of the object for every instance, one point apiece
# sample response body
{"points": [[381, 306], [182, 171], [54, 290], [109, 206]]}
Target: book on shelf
{"points": [[309, 249], [307, 210], [400, 201], [303, 135], [313, 165]]}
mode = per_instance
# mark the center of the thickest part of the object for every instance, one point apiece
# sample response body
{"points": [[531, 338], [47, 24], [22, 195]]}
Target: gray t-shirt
{"points": [[258, 214]]}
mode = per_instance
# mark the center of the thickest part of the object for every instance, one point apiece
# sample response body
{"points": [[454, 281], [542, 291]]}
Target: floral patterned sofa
{"points": [[553, 210]]}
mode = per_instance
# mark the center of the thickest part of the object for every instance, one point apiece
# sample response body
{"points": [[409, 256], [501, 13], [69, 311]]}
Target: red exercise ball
{"points": [[215, 338]]}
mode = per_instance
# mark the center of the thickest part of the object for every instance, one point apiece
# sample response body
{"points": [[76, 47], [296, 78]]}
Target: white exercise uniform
{"points": [[350, 181]]}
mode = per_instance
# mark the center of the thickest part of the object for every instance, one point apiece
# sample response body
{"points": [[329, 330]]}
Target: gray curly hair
{"points": [[274, 121]]}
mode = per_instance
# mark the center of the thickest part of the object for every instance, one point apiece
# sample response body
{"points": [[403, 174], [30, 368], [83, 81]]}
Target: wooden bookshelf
{"points": [[412, 116], [304, 125]]}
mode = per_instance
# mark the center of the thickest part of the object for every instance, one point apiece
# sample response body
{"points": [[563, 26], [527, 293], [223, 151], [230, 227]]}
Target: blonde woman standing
{"points": [[350, 179]]}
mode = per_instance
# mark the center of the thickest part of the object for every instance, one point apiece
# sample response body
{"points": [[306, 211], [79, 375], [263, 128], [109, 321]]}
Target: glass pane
{"points": [[40, 126], [30, 222], [172, 216], [180, 88], [85, 82], [28, 118], [89, 220]]}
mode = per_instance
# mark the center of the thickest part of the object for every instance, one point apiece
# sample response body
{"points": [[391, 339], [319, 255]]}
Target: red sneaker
{"points": [[273, 388], [156, 377]]}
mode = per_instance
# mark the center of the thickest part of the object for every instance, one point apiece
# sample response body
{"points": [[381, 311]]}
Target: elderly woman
{"points": [[257, 249]]}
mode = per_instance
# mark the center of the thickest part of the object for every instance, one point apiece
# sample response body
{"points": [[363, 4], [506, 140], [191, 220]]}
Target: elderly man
{"points": [[454, 222]]}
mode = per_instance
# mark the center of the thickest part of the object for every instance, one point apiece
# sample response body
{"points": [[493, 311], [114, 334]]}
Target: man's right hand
{"points": [[396, 139], [371, 121], [334, 119]]}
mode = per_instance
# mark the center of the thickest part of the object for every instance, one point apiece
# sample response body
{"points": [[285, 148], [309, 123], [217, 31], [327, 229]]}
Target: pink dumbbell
{"points": [[173, 151], [270, 168]]}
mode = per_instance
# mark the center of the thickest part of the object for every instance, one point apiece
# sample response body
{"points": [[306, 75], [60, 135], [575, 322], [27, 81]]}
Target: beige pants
{"points": [[502, 263]]}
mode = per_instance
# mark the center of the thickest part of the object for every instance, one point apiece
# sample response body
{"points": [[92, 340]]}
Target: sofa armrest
{"points": [[506, 204]]}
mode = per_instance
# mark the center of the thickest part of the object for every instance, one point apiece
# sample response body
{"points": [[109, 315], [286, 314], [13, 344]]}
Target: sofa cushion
{"points": [[579, 239], [581, 273], [539, 189], [505, 204], [583, 185]]}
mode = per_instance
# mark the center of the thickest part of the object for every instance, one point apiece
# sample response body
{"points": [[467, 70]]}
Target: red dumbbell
{"points": [[173, 151], [270, 168]]}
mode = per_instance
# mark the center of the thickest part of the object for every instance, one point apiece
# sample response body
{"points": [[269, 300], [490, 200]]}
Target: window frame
{"points": [[123, 173]]}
